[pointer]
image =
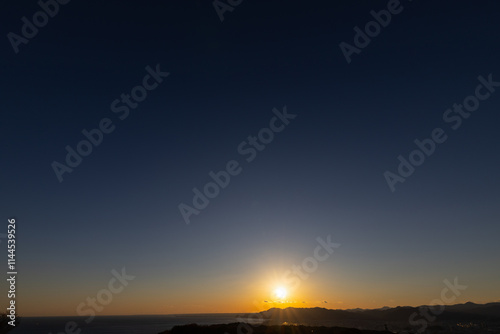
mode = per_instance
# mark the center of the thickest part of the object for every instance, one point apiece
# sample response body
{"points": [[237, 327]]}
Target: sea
{"points": [[154, 324], [138, 324]]}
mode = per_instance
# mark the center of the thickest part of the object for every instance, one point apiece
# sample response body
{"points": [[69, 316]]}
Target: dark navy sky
{"points": [[322, 175]]}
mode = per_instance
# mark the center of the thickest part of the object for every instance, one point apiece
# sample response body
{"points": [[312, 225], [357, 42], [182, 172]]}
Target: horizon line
{"points": [[211, 313]]}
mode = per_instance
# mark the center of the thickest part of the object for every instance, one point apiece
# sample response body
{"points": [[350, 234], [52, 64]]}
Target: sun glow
{"points": [[280, 293]]}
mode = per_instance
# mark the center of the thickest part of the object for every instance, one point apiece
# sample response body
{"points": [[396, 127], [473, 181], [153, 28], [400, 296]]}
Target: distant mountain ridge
{"points": [[459, 312]]}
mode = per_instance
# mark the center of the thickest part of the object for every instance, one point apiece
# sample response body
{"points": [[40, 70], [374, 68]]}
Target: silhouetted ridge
{"points": [[285, 329], [459, 312]]}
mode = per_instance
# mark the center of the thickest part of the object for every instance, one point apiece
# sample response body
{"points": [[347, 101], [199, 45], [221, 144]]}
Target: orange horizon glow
{"points": [[253, 293], [126, 307]]}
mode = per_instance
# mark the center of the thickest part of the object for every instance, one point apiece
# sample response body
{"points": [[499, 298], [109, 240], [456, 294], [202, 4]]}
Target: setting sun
{"points": [[280, 293]]}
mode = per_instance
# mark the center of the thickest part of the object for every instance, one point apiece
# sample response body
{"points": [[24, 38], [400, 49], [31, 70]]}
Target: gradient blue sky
{"points": [[323, 175]]}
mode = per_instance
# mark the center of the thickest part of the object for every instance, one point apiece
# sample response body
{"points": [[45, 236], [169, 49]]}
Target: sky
{"points": [[305, 136]]}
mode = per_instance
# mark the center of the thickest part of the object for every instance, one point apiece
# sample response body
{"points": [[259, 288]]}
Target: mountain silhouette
{"points": [[459, 312]]}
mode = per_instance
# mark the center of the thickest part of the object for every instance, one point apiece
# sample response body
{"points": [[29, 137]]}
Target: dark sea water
{"points": [[154, 324], [139, 324]]}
